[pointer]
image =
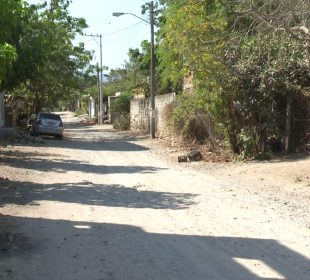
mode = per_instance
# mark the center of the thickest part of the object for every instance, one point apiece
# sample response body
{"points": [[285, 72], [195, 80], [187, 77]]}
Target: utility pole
{"points": [[100, 121], [152, 66], [98, 86], [152, 81]]}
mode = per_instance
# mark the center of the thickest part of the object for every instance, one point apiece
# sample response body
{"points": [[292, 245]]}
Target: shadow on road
{"points": [[96, 143], [88, 193], [85, 250], [38, 161]]}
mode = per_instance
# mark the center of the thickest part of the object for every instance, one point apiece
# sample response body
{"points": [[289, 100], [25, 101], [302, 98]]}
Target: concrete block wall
{"points": [[140, 113], [160, 103]]}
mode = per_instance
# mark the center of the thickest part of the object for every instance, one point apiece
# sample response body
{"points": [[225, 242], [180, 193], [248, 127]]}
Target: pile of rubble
{"points": [[11, 136]]}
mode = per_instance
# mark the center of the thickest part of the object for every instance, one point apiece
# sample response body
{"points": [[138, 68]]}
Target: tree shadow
{"points": [[287, 157], [96, 143], [88, 193], [37, 161], [58, 249], [79, 136]]}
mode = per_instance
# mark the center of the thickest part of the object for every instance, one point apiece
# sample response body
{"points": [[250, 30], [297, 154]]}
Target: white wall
{"points": [[92, 107], [140, 113]]}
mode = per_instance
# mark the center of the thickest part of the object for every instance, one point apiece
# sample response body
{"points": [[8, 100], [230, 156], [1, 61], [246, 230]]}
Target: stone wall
{"points": [[140, 113]]}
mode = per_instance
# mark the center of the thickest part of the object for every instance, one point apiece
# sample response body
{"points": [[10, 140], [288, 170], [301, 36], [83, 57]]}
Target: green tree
{"points": [[10, 13], [47, 61], [243, 70], [134, 77]]}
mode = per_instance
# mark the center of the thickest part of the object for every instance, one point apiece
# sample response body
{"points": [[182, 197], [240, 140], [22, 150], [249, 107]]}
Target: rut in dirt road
{"points": [[98, 205]]}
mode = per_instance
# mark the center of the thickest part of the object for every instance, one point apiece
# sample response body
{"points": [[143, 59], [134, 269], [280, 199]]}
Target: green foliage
{"points": [[246, 144], [122, 104], [266, 68], [43, 58], [137, 70], [134, 77], [7, 57], [190, 40], [10, 14], [245, 72]]}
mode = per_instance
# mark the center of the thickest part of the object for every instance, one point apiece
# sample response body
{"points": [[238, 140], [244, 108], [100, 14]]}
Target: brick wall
{"points": [[140, 113]]}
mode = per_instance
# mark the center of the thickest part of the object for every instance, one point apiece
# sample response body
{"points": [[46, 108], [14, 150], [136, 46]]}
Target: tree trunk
{"points": [[288, 137], [262, 141], [234, 143]]}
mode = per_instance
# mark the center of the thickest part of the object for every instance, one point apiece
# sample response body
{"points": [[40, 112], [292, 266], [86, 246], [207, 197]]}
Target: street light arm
{"points": [[118, 14]]}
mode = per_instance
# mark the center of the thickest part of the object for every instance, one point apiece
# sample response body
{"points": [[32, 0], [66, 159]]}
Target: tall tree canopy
{"points": [[10, 13], [46, 62], [246, 58]]}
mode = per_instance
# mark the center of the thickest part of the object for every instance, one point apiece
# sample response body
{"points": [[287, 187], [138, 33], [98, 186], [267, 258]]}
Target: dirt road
{"points": [[100, 206]]}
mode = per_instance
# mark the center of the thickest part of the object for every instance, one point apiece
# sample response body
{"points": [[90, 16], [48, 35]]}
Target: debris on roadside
{"points": [[182, 159], [5, 183], [2, 179], [24, 138], [20, 137], [194, 156], [86, 120]]}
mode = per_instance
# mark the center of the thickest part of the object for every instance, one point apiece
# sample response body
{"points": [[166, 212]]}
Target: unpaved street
{"points": [[100, 206]]}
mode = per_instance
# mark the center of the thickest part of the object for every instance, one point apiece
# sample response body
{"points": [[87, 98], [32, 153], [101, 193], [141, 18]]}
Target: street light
{"points": [[152, 78]]}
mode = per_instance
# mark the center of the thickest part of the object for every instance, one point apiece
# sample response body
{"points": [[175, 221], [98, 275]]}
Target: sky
{"points": [[118, 33]]}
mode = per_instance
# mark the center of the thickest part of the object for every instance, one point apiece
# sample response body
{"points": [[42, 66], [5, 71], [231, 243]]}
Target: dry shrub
{"points": [[168, 109], [122, 122], [200, 128], [188, 122], [197, 127]]}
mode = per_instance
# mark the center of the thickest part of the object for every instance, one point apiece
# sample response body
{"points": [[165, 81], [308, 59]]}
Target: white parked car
{"points": [[46, 124]]}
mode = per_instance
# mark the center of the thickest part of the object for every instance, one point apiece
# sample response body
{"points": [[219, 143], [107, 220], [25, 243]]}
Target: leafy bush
{"points": [[246, 144], [121, 104]]}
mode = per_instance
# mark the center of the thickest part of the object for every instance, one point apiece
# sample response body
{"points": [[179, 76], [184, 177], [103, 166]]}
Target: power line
{"points": [[121, 30]]}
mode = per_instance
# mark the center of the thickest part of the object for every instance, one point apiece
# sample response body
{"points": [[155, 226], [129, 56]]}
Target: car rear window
{"points": [[50, 116]]}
